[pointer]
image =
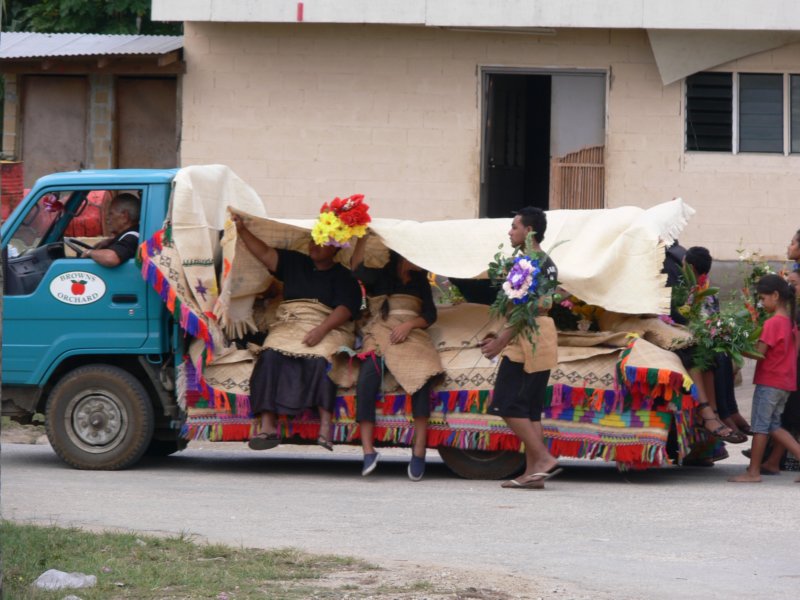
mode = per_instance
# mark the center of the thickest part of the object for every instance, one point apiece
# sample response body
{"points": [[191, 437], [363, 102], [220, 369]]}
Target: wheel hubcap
{"points": [[96, 421]]}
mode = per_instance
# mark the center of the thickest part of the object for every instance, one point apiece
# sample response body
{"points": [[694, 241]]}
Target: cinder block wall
{"points": [[307, 112], [100, 150], [10, 116]]}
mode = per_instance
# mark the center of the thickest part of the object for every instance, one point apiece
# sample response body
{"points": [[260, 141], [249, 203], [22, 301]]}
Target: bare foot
{"points": [[746, 477]]}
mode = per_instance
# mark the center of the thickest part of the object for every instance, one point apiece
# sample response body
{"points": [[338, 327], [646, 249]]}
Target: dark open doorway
{"points": [[517, 143], [543, 140]]}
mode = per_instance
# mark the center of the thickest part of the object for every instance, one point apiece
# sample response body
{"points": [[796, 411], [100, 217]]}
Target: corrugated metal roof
{"points": [[14, 44]]}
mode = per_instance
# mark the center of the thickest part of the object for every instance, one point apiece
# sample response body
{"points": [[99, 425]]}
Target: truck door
{"points": [[58, 304]]}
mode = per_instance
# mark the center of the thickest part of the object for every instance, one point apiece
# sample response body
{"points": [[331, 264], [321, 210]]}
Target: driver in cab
{"points": [[123, 219]]}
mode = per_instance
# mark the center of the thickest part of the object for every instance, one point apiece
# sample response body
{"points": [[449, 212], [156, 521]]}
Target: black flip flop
{"points": [[264, 441]]}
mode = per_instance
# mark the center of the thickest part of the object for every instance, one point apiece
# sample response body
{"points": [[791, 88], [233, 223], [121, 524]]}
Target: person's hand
{"points": [[238, 222], [400, 333], [491, 346], [314, 337]]}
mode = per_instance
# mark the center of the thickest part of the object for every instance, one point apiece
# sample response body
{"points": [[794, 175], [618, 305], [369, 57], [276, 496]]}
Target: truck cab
{"points": [[89, 346]]}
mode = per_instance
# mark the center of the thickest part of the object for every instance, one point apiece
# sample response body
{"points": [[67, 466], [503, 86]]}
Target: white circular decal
{"points": [[77, 287]]}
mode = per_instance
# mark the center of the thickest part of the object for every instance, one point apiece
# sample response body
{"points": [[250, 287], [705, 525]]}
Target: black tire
{"points": [[99, 417], [479, 464]]}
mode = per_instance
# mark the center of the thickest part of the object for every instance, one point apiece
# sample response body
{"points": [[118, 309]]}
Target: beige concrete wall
{"points": [[307, 112], [745, 201]]}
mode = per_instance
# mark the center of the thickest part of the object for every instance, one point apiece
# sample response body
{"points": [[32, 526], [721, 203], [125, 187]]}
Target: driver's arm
{"points": [[116, 252], [104, 243], [104, 257]]}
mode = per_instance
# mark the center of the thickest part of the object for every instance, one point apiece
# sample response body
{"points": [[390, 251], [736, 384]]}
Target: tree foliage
{"points": [[84, 16]]}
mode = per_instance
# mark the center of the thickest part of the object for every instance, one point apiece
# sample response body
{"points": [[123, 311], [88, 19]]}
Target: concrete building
{"points": [[89, 101], [442, 109]]}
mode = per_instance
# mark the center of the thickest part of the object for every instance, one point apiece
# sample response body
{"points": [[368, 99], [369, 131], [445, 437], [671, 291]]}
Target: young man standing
{"points": [[524, 370]]}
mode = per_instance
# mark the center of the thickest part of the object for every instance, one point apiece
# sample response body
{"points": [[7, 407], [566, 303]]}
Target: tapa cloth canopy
{"points": [[610, 257]]}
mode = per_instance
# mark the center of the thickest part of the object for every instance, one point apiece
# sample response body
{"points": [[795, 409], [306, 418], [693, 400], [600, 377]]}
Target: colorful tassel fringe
{"points": [[189, 321]]}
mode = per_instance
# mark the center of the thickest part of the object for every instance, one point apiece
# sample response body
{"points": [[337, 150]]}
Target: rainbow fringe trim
{"points": [[576, 424], [192, 323]]}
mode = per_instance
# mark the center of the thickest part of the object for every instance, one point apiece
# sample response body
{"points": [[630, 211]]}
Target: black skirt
{"points": [[288, 385]]}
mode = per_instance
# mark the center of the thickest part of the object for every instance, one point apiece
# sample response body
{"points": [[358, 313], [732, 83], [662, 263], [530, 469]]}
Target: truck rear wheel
{"points": [[480, 464], [99, 417]]}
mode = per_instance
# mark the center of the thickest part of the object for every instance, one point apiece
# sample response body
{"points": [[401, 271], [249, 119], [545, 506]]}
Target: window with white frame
{"points": [[743, 112]]}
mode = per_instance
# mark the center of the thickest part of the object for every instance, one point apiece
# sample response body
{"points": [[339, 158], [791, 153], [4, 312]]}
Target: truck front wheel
{"points": [[479, 464], [99, 417]]}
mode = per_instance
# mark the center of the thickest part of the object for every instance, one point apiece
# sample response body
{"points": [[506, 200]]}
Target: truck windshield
{"points": [[38, 222]]}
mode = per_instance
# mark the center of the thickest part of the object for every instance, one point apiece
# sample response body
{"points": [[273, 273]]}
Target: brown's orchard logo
{"points": [[77, 287]]}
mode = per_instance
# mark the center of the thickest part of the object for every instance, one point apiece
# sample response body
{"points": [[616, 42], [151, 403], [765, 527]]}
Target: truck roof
{"points": [[119, 176]]}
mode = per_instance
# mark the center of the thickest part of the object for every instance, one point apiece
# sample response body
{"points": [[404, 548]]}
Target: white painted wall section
{"points": [[769, 15]]}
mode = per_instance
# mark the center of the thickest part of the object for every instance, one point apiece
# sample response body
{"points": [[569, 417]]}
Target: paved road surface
{"points": [[660, 534], [594, 533]]}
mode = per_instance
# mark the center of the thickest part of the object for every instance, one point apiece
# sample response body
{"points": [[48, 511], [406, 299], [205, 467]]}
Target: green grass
{"points": [[144, 567]]}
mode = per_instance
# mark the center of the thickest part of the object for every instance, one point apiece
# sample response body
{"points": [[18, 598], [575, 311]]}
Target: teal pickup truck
{"points": [[121, 362], [91, 347]]}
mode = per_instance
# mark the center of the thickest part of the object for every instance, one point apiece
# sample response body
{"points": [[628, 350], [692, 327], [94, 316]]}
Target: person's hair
{"points": [[129, 203], [536, 219], [700, 258], [769, 284]]}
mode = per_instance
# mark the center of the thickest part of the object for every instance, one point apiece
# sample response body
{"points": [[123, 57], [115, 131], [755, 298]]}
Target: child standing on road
{"points": [[776, 373]]}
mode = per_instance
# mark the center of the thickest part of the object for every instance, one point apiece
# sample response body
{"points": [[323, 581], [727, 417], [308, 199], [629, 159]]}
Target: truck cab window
{"points": [[58, 225], [38, 223]]}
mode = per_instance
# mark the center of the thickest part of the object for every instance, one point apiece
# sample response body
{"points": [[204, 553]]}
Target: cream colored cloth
{"points": [[198, 211], [610, 258]]}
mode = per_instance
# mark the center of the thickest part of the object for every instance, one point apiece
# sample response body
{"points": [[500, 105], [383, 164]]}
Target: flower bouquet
{"points": [[525, 289], [341, 220], [734, 330], [693, 295]]}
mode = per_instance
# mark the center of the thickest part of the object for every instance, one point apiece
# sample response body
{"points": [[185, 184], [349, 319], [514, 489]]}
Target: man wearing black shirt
{"points": [[124, 223]]}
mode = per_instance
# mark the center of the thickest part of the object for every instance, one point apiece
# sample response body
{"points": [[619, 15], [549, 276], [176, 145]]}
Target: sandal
{"points": [[264, 441], [321, 441], [733, 437], [524, 483]]}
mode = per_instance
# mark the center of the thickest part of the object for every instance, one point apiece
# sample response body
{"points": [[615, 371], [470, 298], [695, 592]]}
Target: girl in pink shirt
{"points": [[776, 373]]}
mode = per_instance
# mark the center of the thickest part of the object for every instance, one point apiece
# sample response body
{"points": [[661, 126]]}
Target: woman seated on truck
{"points": [[394, 337], [313, 322], [699, 259]]}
